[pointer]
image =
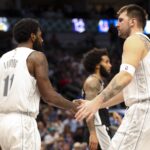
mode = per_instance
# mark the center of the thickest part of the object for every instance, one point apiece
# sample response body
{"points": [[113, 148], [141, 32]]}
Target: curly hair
{"points": [[92, 58], [23, 29]]}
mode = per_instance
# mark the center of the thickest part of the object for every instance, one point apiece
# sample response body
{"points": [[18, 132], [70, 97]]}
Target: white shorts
{"points": [[103, 137], [101, 132], [134, 132], [19, 132]]}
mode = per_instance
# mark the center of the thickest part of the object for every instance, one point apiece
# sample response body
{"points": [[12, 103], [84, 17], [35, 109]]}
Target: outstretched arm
{"points": [[39, 68], [132, 54], [117, 99]]}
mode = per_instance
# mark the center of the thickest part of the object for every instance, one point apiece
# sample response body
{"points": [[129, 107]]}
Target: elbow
{"points": [[129, 78], [126, 77], [45, 100]]}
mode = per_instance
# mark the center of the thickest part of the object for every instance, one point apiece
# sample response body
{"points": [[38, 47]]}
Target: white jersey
{"points": [[18, 89], [139, 88]]}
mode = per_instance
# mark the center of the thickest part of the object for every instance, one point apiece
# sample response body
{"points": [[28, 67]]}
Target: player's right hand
{"points": [[93, 141]]}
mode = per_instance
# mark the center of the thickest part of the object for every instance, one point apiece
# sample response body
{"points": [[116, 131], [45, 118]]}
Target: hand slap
{"points": [[87, 109], [83, 111], [78, 101]]}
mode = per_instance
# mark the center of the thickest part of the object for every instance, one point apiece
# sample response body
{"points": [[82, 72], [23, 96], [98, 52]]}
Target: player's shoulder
{"points": [[134, 41], [91, 81], [9, 53], [37, 55], [135, 38]]}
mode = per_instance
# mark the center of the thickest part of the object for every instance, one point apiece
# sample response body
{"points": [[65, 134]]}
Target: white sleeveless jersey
{"points": [[139, 88], [18, 89]]}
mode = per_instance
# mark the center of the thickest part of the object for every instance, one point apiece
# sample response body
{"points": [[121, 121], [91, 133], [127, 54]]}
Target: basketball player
{"points": [[132, 84], [97, 63], [23, 80]]}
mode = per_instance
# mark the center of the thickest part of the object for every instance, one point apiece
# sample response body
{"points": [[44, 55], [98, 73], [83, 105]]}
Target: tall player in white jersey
{"points": [[23, 80], [131, 84]]}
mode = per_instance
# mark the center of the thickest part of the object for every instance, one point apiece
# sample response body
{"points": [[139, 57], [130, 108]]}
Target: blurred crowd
{"points": [[60, 9], [66, 70], [59, 130]]}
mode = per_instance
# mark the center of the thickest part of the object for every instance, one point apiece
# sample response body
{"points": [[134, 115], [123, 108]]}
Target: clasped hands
{"points": [[86, 109]]}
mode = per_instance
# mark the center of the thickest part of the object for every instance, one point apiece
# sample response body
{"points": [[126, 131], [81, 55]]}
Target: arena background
{"points": [[70, 28]]}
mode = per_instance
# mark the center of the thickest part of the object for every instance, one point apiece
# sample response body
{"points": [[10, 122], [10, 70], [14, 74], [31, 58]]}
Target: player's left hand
{"points": [[93, 142], [87, 109], [77, 102]]}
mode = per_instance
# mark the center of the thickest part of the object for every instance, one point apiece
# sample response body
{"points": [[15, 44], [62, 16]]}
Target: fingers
{"points": [[93, 141], [76, 104], [93, 146], [117, 117], [90, 116], [79, 101], [80, 115], [84, 111]]}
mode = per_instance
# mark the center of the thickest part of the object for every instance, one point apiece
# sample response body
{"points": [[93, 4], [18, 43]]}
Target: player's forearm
{"points": [[55, 99], [113, 101], [91, 126], [117, 84]]}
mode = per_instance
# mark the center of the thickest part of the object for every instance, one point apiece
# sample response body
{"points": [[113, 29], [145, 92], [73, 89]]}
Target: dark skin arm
{"points": [[38, 67]]}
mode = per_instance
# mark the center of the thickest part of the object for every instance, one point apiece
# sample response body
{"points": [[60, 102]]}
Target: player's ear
{"points": [[97, 66], [33, 37], [132, 21]]}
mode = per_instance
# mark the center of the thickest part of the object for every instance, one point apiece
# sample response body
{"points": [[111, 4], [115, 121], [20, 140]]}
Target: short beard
{"points": [[103, 72], [127, 34], [37, 45]]}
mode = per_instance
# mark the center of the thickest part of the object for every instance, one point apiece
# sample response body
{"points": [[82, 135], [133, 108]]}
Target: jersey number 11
{"points": [[8, 83]]}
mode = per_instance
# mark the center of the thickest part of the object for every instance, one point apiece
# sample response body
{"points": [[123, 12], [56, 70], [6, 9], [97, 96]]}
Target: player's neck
{"points": [[25, 45], [136, 30], [98, 76]]}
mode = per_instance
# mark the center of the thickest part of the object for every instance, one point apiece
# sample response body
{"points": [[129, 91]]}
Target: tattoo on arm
{"points": [[92, 90], [145, 41], [112, 89]]}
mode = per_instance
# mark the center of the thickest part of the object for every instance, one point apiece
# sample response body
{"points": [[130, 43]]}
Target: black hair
{"points": [[23, 29], [92, 58]]}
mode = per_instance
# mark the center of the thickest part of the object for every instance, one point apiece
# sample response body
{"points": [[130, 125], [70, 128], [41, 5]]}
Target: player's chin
{"points": [[120, 34], [123, 36], [108, 71]]}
